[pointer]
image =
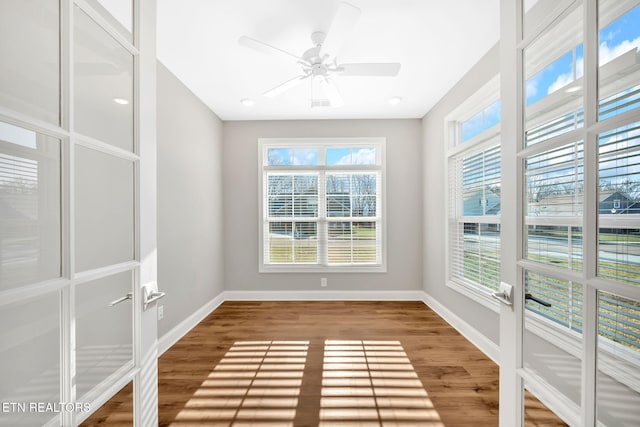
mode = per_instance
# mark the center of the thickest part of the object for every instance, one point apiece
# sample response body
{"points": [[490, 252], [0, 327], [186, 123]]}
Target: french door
{"points": [[77, 208], [571, 159]]}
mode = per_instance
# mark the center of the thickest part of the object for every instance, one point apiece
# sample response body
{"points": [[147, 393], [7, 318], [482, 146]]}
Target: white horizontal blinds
{"points": [[352, 218], [555, 180], [474, 181], [291, 229], [555, 299], [322, 204], [619, 204]]}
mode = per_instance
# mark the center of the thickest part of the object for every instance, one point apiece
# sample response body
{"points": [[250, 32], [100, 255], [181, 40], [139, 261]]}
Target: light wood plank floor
{"points": [[278, 364]]}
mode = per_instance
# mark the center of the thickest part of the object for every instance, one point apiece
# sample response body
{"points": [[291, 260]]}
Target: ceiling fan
{"points": [[320, 64]]}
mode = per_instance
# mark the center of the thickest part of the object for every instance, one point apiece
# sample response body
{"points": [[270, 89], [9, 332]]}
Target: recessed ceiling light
{"points": [[247, 102], [394, 101], [121, 101], [573, 89]]}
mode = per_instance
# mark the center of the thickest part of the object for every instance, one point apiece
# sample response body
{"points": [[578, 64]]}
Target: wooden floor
{"points": [[278, 364]]}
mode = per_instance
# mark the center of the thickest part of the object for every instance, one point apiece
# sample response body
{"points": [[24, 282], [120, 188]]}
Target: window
{"points": [[322, 204], [474, 181]]}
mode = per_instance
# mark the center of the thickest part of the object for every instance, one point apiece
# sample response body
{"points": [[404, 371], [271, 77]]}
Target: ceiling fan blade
{"points": [[281, 88], [331, 92], [369, 69], [343, 23], [267, 48]]}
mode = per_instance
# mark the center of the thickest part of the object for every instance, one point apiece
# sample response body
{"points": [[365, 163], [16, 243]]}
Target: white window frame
{"points": [[455, 147], [322, 266]]}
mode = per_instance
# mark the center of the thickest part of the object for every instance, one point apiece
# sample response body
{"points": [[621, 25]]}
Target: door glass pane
{"points": [[30, 52], [104, 333], [555, 181], [29, 207], [30, 355], [104, 209], [619, 209], [553, 339], [618, 376], [118, 12], [103, 85], [553, 72], [537, 12], [619, 58], [117, 411], [537, 414]]}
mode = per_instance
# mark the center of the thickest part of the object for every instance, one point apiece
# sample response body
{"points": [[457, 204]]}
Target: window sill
{"points": [[322, 269], [477, 295]]}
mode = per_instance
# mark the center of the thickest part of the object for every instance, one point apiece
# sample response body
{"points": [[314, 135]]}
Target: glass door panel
{"points": [[30, 231], [30, 52], [619, 58], [618, 361], [104, 209], [552, 339], [104, 332], [554, 65], [103, 84], [119, 13], [30, 353], [619, 204]]}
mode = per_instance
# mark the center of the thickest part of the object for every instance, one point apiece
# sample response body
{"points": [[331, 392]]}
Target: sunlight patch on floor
{"points": [[372, 383], [257, 383]]}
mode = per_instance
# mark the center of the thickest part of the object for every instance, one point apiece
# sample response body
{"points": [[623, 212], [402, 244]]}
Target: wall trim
{"points": [[323, 295], [484, 344], [174, 335]]}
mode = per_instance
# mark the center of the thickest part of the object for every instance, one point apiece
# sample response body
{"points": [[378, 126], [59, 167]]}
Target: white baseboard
{"points": [[323, 295], [180, 330], [484, 344]]}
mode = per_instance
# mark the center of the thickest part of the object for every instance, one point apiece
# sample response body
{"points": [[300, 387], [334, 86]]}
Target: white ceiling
{"points": [[436, 41]]}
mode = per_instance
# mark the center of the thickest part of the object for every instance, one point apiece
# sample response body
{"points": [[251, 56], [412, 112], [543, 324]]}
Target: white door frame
{"points": [[143, 267], [512, 374], [511, 317]]}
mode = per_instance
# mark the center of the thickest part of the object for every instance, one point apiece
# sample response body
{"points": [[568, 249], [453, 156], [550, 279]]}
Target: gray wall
{"points": [[434, 175], [404, 209], [190, 251]]}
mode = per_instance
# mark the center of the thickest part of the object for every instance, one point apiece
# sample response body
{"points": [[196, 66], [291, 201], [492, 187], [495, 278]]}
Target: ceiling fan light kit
{"points": [[320, 64]]}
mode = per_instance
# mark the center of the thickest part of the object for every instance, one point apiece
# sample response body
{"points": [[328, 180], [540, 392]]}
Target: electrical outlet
{"points": [[323, 282], [160, 312]]}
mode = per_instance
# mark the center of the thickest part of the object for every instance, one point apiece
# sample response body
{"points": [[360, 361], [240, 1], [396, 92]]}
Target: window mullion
{"points": [[323, 228]]}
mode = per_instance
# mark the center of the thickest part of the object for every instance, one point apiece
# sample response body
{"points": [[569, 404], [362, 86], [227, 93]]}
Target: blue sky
{"points": [[620, 36], [615, 39], [335, 156]]}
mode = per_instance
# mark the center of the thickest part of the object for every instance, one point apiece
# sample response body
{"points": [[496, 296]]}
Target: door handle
{"points": [[503, 297], [151, 295], [129, 295], [540, 301]]}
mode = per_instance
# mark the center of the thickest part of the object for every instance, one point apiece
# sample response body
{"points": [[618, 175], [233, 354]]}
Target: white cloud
{"points": [[609, 53], [532, 86], [363, 156], [305, 157], [564, 79]]}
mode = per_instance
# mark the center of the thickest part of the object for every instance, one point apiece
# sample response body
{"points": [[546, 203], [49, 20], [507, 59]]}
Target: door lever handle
{"points": [[151, 297], [540, 301], [503, 297], [129, 295]]}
